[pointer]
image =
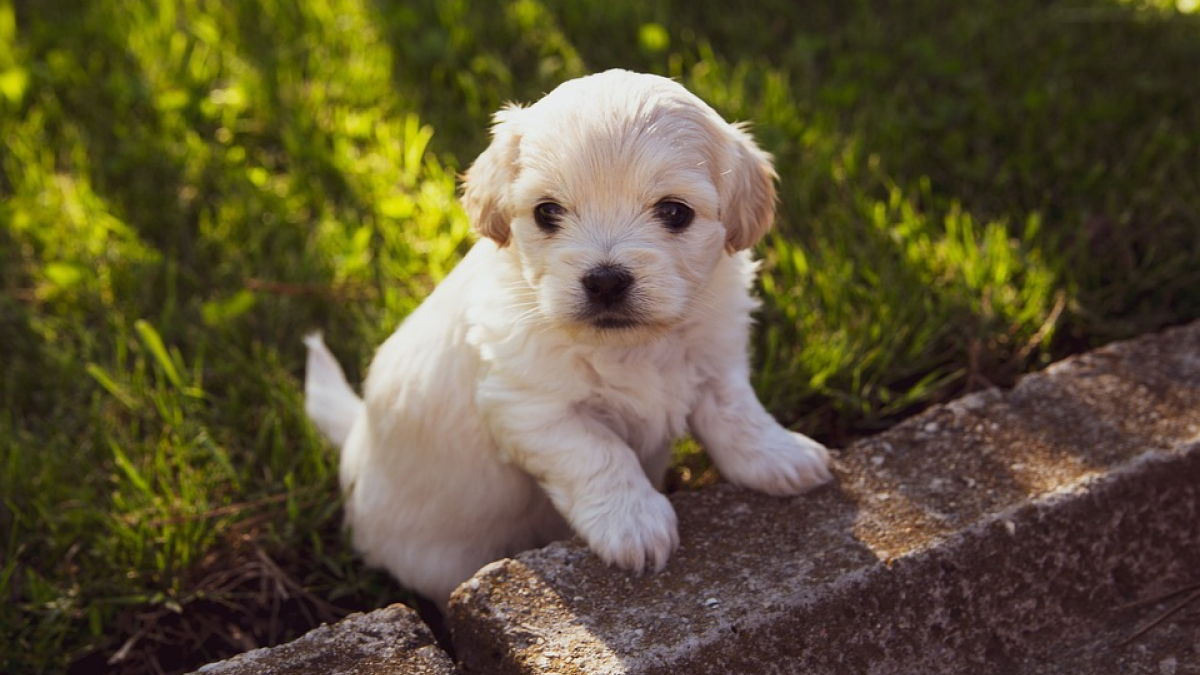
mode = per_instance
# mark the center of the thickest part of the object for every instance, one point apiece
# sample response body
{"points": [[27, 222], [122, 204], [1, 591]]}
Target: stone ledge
{"points": [[1003, 530], [389, 641]]}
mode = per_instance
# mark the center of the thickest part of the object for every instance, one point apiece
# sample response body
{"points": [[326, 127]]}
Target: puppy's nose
{"points": [[607, 285]]}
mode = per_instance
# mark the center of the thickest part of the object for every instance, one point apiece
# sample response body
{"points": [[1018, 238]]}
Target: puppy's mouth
{"points": [[611, 319], [615, 323]]}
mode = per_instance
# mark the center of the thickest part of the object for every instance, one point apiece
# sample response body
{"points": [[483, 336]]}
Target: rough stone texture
{"points": [[1170, 648], [389, 641], [1013, 532]]}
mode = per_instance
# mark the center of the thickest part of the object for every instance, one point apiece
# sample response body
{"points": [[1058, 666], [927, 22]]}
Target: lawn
{"points": [[968, 192]]}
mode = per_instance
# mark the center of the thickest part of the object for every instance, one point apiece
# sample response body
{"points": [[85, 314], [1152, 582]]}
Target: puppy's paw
{"points": [[635, 531], [784, 464]]}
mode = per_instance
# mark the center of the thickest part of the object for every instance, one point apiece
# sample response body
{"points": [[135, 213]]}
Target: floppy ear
{"points": [[485, 184], [746, 188]]}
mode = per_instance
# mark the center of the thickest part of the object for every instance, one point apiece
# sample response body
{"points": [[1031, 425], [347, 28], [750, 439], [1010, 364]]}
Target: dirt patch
{"points": [[247, 598]]}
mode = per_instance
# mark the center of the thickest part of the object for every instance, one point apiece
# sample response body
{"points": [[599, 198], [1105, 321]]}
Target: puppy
{"points": [[604, 314]]}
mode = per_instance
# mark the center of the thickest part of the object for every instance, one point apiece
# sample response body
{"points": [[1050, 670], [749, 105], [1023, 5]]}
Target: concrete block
{"points": [[389, 641], [1007, 530]]}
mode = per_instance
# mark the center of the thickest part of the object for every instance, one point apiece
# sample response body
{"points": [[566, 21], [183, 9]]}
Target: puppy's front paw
{"points": [[783, 464], [635, 530]]}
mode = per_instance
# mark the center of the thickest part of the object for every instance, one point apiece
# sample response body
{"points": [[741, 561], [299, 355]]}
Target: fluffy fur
{"points": [[538, 389]]}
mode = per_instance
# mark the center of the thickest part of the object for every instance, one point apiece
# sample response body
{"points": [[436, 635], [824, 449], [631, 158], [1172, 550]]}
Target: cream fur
{"points": [[502, 414]]}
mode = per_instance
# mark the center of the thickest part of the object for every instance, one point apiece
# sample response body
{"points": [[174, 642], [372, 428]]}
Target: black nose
{"points": [[607, 285]]}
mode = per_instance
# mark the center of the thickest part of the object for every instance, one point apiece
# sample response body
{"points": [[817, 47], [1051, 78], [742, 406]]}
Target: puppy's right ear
{"points": [[485, 184]]}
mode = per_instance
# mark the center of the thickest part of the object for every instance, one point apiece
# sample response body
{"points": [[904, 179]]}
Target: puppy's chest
{"points": [[644, 398]]}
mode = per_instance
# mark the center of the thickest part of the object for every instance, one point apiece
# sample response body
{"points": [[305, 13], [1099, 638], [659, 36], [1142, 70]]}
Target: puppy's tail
{"points": [[328, 398]]}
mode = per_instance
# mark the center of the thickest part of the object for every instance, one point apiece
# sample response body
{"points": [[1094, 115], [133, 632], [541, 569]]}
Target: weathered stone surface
{"points": [[1171, 647], [389, 641], [1006, 530]]}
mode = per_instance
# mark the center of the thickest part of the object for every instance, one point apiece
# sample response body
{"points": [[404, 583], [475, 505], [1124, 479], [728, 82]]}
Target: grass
{"points": [[969, 190]]}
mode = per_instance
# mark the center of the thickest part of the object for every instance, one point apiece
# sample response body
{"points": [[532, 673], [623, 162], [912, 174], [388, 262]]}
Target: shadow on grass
{"points": [[1080, 112]]}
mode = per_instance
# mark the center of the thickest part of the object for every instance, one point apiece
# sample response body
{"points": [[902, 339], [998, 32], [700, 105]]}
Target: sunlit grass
{"points": [[186, 187], [1181, 6], [150, 389]]}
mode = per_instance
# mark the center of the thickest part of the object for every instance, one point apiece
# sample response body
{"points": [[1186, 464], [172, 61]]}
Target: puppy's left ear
{"points": [[746, 188], [485, 184]]}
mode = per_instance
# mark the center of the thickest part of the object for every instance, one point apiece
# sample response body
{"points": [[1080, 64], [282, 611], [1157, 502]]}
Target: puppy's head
{"points": [[619, 193]]}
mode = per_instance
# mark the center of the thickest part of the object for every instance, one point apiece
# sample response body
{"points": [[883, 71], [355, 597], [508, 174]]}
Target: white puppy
{"points": [[606, 313]]}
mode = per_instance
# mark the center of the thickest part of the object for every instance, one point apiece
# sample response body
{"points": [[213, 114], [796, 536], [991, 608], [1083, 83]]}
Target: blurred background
{"points": [[968, 192]]}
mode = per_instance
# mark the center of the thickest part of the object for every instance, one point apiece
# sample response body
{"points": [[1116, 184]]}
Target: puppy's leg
{"points": [[594, 480], [750, 448]]}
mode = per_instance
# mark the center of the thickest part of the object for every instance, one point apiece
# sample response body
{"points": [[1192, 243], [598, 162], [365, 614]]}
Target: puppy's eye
{"points": [[548, 216], [675, 216]]}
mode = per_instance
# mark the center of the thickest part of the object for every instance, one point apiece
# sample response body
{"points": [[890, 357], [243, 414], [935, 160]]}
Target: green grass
{"points": [[969, 190]]}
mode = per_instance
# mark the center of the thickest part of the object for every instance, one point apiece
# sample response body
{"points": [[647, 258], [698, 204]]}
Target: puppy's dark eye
{"points": [[675, 216], [548, 216]]}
